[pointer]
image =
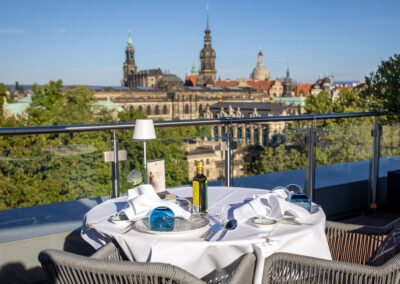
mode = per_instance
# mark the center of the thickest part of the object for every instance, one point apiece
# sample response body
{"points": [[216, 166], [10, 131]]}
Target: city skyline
{"points": [[82, 43]]}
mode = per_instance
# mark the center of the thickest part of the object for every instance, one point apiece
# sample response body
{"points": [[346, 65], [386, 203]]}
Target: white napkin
{"points": [[142, 199], [270, 205]]}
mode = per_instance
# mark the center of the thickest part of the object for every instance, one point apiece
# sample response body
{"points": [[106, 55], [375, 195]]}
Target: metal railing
{"points": [[311, 138]]}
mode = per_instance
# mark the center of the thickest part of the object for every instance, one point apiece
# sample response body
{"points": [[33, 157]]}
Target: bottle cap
{"points": [[200, 164]]}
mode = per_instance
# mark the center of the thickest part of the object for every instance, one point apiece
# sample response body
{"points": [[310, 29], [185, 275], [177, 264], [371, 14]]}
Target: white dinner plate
{"points": [[192, 226]]}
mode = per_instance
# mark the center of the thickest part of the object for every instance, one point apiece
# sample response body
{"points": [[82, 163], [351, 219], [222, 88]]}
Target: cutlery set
{"points": [[228, 226]]}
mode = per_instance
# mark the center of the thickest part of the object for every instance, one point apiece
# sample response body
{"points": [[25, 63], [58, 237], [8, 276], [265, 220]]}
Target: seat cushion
{"points": [[388, 249]]}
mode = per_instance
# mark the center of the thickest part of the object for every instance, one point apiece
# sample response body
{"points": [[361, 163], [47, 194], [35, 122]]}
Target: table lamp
{"points": [[144, 130]]}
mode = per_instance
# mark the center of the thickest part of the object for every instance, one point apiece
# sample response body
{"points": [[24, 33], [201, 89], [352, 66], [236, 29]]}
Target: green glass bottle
{"points": [[200, 189]]}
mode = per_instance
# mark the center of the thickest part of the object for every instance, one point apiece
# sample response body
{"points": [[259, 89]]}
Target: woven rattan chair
{"points": [[351, 248], [108, 265]]}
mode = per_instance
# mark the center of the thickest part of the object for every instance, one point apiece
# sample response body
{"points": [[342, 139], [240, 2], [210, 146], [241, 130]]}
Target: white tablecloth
{"points": [[200, 257]]}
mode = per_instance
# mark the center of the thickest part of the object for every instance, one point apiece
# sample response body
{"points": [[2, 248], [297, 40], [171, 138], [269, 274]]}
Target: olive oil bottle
{"points": [[200, 189]]}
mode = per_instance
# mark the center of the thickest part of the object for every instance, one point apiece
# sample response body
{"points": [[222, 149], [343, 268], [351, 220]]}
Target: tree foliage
{"points": [[39, 169], [383, 87]]}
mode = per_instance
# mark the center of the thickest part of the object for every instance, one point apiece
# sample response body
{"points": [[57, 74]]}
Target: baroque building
{"points": [[260, 72], [133, 78], [207, 74]]}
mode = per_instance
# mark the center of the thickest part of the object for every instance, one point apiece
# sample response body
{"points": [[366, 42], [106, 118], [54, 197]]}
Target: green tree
{"points": [[383, 87]]}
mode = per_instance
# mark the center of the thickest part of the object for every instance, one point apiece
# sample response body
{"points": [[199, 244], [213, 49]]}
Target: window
{"points": [[140, 108], [207, 173], [131, 107], [207, 161], [220, 173], [187, 109], [255, 136], [157, 110], [164, 111], [148, 110], [200, 109]]}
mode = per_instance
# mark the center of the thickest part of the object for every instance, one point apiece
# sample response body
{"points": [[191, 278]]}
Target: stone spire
{"points": [[287, 85], [130, 67], [207, 72]]}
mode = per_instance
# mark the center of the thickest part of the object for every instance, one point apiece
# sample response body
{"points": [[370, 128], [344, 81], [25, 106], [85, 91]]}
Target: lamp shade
{"points": [[144, 130]]}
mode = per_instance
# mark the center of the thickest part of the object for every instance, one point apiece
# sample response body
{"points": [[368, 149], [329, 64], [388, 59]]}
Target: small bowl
{"points": [[262, 222]]}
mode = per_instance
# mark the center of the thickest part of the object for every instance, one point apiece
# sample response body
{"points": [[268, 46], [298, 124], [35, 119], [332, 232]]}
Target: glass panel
{"points": [[389, 160], [342, 160], [41, 175], [180, 152], [274, 154]]}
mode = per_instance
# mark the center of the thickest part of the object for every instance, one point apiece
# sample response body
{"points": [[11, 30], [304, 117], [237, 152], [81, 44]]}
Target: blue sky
{"points": [[83, 42]]}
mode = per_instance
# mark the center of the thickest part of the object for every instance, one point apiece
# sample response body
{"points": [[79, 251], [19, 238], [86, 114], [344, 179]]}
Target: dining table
{"points": [[189, 249]]}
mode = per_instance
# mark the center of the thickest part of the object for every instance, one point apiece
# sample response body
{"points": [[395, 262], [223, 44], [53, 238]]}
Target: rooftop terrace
{"points": [[346, 186]]}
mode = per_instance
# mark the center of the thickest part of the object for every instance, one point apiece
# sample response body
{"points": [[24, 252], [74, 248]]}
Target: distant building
{"points": [[207, 74], [323, 84], [133, 78], [260, 72]]}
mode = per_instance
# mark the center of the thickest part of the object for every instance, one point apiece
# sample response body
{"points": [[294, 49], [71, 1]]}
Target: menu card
{"points": [[156, 174]]}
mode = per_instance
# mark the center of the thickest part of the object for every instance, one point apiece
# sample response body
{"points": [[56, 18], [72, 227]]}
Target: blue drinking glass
{"points": [[301, 200], [162, 219]]}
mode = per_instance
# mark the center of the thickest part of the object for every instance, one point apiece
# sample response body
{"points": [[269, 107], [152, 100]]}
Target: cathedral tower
{"points": [[130, 67], [207, 72]]}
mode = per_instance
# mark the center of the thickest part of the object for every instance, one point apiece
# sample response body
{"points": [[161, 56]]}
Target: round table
{"points": [[198, 256]]}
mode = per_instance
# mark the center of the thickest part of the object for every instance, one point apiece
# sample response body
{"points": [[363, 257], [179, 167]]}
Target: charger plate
{"points": [[194, 225]]}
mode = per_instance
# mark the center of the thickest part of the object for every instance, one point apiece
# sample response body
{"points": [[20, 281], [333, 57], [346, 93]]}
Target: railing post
{"points": [[374, 169], [115, 168], [230, 145], [309, 179], [228, 160]]}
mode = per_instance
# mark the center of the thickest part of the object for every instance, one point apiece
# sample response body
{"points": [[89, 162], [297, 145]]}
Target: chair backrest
{"points": [[355, 243], [68, 268]]}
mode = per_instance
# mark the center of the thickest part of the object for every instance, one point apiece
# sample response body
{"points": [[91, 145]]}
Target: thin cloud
{"points": [[12, 31], [61, 30]]}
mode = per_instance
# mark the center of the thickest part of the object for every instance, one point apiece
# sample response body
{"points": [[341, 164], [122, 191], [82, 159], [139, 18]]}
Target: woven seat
{"points": [[108, 265], [351, 248]]}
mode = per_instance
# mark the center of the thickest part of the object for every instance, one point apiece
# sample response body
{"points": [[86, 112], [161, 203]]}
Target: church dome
{"points": [[260, 72]]}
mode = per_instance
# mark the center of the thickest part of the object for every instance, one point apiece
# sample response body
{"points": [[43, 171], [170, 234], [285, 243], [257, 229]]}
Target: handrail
{"points": [[29, 130]]}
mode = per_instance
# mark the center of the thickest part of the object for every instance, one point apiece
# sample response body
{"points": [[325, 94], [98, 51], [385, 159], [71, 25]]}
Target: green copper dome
{"points": [[129, 38], [194, 68]]}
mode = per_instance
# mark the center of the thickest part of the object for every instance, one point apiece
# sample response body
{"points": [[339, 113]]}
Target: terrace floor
{"points": [[375, 219]]}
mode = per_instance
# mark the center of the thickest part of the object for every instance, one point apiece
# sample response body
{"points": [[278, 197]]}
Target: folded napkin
{"points": [[270, 205], [142, 199]]}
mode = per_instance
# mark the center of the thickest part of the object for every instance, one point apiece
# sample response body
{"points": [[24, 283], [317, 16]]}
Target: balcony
{"points": [[346, 162]]}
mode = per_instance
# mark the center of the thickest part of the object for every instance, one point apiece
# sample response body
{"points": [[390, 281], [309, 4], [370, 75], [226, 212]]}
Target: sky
{"points": [[83, 42]]}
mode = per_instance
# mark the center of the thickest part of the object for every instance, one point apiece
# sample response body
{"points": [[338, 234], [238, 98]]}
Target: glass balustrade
{"points": [[263, 155], [41, 175]]}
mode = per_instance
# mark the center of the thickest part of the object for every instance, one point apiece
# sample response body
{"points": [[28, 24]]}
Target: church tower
{"points": [[287, 85], [207, 72], [130, 67]]}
